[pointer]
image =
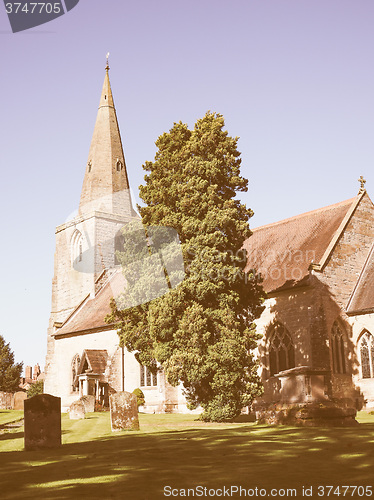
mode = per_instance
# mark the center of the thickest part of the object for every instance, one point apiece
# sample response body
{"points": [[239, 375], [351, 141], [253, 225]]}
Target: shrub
{"points": [[140, 396], [36, 389]]}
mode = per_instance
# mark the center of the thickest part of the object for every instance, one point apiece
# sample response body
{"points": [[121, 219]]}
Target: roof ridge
{"points": [[310, 212], [352, 208]]}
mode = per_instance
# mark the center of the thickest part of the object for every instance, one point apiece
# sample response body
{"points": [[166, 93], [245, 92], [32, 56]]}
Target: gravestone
{"points": [[89, 403], [6, 401], [42, 422], [19, 399], [77, 410], [124, 411]]}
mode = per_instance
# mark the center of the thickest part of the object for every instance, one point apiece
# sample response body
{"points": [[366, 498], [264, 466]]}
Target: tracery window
{"points": [[281, 349], [366, 348], [147, 378], [337, 349]]}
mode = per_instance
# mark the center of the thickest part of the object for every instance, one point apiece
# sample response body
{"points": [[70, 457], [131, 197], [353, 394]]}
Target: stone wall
{"points": [[360, 324], [292, 309], [71, 284], [309, 313], [350, 253], [59, 380]]}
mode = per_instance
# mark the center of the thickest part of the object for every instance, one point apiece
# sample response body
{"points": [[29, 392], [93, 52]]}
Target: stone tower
{"points": [[85, 244]]}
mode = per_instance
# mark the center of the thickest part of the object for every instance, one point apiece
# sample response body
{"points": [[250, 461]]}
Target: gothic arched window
{"points": [[366, 348], [337, 349], [281, 349], [74, 372], [76, 247]]}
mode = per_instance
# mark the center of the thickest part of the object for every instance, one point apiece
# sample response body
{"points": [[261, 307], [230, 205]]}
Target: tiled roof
{"points": [[283, 251], [91, 313], [362, 299], [96, 360]]}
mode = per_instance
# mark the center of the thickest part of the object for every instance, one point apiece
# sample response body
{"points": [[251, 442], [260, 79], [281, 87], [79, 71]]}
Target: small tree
{"points": [[36, 389], [10, 372]]}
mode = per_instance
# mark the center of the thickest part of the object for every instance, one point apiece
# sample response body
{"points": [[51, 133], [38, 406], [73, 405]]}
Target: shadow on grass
{"points": [[11, 435], [245, 418], [133, 465]]}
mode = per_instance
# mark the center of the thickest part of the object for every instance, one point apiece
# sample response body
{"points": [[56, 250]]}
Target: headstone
{"points": [[124, 411], [42, 422], [6, 400], [89, 403], [77, 410], [19, 399]]}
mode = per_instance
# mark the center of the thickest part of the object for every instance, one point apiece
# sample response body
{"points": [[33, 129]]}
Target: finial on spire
{"points": [[362, 182], [107, 61]]}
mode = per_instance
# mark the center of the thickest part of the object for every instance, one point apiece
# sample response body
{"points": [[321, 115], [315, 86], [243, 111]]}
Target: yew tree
{"points": [[10, 372], [202, 331]]}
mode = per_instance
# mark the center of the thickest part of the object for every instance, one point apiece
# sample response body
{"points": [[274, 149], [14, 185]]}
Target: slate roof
{"points": [[362, 299], [283, 251], [92, 311]]}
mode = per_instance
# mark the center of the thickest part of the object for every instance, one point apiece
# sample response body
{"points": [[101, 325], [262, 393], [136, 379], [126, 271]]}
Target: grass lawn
{"points": [[7, 416], [178, 451]]}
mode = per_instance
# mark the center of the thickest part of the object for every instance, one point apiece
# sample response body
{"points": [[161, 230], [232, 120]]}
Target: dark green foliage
{"points": [[10, 372], [140, 396], [201, 331], [36, 389]]}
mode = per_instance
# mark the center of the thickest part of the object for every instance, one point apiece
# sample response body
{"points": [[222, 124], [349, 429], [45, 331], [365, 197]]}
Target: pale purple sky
{"points": [[293, 78]]}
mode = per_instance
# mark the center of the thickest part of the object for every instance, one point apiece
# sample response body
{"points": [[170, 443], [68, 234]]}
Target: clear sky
{"points": [[293, 78]]}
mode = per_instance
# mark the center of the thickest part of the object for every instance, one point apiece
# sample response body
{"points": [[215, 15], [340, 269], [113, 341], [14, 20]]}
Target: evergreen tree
{"points": [[10, 372], [35, 389], [201, 332]]}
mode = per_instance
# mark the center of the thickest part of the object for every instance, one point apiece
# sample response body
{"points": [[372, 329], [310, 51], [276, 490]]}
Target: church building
{"points": [[83, 352], [317, 269]]}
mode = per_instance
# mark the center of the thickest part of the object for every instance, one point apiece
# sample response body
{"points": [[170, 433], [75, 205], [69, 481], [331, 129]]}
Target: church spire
{"points": [[105, 186]]}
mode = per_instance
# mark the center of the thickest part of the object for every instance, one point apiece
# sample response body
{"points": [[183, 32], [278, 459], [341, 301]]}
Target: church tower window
{"points": [[281, 349], [366, 348], [76, 247], [337, 349]]}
